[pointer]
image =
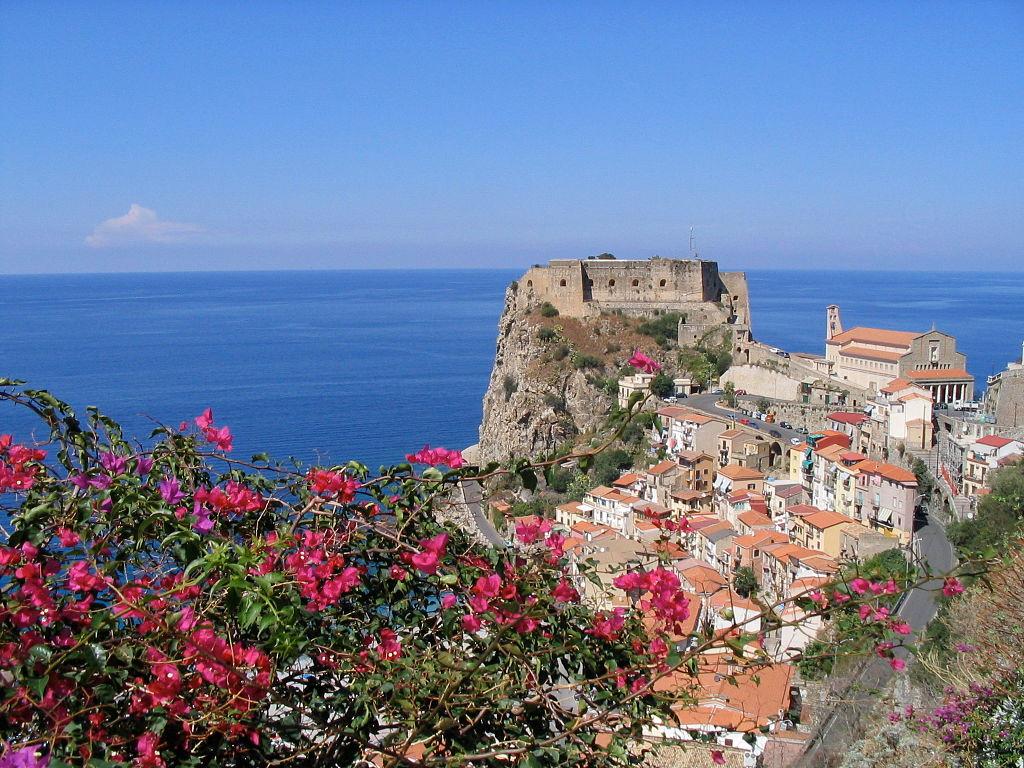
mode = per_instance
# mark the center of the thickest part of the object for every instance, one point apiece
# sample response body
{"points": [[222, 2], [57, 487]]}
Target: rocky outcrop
{"points": [[535, 403]]}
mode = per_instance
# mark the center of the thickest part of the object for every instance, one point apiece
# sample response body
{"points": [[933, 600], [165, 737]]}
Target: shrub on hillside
{"points": [[547, 309]]}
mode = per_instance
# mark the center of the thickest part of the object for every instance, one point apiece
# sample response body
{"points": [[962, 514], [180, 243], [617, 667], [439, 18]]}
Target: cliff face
{"points": [[535, 402]]}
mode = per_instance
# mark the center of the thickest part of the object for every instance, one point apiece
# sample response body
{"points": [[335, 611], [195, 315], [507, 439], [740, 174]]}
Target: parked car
{"points": [[741, 391], [783, 354], [683, 396], [795, 440], [745, 422], [775, 433], [672, 399], [785, 425], [758, 415], [802, 430], [718, 391]]}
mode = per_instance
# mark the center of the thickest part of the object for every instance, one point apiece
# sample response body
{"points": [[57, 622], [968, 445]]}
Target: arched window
{"points": [[636, 283], [611, 283], [529, 283], [662, 284], [562, 283]]}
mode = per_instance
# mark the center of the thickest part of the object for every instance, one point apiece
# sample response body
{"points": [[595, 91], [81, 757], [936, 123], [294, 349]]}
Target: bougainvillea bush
{"points": [[164, 604]]}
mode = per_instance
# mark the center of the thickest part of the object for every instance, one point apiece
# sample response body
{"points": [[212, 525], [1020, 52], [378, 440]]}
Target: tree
{"points": [[730, 394], [745, 582], [609, 465], [662, 385]]}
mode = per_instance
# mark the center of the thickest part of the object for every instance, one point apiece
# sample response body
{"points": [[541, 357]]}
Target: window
{"points": [[933, 351], [611, 283], [636, 283], [529, 283], [562, 283], [661, 284]]}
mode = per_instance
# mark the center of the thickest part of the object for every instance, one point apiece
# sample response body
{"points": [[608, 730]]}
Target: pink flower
{"points": [[205, 419], [902, 628], [448, 600], [488, 586], [565, 593], [389, 646], [222, 438], [717, 757], [25, 757], [67, 537], [860, 586], [434, 456], [433, 550], [398, 573], [529, 532], [898, 664], [149, 756], [170, 491], [644, 363], [471, 623], [952, 587]]}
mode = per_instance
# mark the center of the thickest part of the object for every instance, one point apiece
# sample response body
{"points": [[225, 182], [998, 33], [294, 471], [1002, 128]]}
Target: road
{"points": [[708, 403]]}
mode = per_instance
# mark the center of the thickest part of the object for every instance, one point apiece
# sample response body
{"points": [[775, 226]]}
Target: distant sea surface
{"points": [[328, 366]]}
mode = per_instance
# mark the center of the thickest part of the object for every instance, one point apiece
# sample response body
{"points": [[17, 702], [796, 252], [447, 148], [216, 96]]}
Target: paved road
{"points": [[708, 403]]}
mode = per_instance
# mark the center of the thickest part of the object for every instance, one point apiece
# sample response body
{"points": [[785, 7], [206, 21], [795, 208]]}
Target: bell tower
{"points": [[833, 324]]}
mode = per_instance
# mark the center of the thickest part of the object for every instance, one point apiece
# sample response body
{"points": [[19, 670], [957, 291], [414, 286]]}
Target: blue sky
{"points": [[164, 136]]}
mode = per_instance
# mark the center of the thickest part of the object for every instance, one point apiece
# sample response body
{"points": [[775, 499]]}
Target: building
{"points": [[871, 357], [684, 430], [987, 454], [1004, 396], [660, 480], [822, 530], [747, 449], [900, 415], [851, 424], [638, 383], [612, 507], [733, 478], [886, 498], [696, 470]]}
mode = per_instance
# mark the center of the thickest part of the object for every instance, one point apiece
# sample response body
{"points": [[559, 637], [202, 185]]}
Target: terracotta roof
{"points": [[802, 510], [881, 336], [614, 494], [573, 507], [671, 550], [729, 434], [819, 561], [895, 386], [888, 471], [914, 396], [994, 441], [691, 457], [789, 491], [584, 527], [627, 479], [851, 456], [940, 373], [730, 696], [673, 412], [759, 538], [848, 417], [826, 518], [736, 472], [662, 467], [727, 598], [832, 451], [703, 578], [754, 519], [871, 354]]}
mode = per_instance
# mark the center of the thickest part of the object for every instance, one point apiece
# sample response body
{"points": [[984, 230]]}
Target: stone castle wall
{"points": [[585, 288]]}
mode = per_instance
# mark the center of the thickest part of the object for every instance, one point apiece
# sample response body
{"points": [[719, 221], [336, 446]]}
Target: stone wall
{"points": [[813, 417], [582, 288], [762, 382]]}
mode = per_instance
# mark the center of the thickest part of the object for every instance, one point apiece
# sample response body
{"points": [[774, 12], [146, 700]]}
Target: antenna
{"points": [[693, 251]]}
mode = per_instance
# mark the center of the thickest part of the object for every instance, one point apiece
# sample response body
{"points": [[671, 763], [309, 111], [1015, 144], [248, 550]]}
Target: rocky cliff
{"points": [[538, 397]]}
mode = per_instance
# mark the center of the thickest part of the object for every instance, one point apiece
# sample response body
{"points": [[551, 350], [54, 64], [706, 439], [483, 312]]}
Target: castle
{"points": [[693, 287]]}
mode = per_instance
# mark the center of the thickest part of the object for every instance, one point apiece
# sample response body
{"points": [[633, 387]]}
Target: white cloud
{"points": [[140, 225]]}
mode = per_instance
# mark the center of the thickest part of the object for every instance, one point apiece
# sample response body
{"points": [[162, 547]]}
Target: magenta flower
{"points": [[143, 465], [205, 419], [25, 757], [642, 362], [952, 587], [113, 464], [170, 491], [203, 523]]}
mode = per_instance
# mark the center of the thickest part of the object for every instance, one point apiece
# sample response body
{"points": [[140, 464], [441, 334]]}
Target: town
{"points": [[771, 480]]}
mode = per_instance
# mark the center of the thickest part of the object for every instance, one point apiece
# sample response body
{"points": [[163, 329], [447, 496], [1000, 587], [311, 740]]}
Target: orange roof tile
{"points": [[826, 518], [753, 519], [888, 471], [871, 354], [895, 386], [662, 467], [627, 479], [994, 441], [848, 417], [736, 472], [881, 336], [940, 374]]}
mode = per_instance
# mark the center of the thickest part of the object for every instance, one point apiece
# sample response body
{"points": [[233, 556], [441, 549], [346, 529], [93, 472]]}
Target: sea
{"points": [[371, 365]]}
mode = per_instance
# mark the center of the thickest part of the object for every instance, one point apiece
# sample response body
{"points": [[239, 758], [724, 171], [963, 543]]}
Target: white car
{"points": [[671, 399], [795, 440]]}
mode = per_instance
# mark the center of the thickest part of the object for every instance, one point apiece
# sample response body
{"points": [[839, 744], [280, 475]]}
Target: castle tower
{"points": [[833, 324]]}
